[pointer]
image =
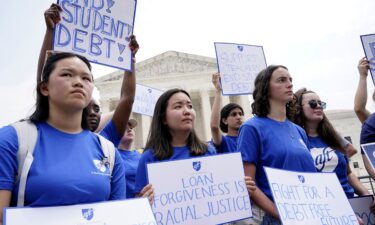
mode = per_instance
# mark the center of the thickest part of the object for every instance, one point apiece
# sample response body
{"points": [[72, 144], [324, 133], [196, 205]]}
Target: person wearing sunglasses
{"points": [[324, 142], [270, 138]]}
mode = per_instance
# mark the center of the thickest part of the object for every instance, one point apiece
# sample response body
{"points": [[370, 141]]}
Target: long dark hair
{"points": [[325, 129], [41, 112], [159, 138], [261, 104], [224, 113]]}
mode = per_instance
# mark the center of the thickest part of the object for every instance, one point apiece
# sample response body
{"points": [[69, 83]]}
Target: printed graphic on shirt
{"points": [[325, 159], [101, 166]]}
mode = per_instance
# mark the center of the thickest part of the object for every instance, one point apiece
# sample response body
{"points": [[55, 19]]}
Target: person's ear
{"points": [[224, 120], [44, 89]]}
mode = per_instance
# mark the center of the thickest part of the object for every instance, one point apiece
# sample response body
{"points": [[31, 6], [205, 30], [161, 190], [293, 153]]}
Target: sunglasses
{"points": [[314, 104]]}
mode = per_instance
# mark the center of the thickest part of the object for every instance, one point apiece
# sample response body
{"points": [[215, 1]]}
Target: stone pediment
{"points": [[165, 64]]}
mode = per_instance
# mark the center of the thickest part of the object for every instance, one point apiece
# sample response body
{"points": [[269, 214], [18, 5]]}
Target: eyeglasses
{"points": [[314, 104]]}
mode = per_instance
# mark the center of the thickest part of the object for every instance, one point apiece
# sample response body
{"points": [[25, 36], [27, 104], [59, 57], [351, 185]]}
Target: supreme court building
{"points": [[194, 73]]}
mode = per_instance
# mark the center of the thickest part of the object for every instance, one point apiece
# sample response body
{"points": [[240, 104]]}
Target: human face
{"points": [[280, 86], [129, 135], [234, 119], [94, 115], [180, 115], [312, 115], [69, 86]]}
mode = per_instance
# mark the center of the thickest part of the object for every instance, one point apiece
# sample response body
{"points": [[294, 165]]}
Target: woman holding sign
{"points": [[324, 142], [172, 136], [270, 139], [115, 128], [69, 164]]}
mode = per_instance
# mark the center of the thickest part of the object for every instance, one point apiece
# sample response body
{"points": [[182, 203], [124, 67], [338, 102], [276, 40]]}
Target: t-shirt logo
{"points": [[100, 165], [325, 159]]}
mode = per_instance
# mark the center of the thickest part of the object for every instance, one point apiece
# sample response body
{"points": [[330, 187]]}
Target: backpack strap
{"points": [[27, 134], [109, 152]]}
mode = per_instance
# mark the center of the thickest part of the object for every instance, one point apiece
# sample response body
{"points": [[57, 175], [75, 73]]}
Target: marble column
{"points": [[206, 113]]}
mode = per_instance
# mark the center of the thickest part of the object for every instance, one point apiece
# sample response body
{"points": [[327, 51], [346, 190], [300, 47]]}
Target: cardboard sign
{"points": [[368, 43], [361, 206], [369, 150], [145, 100], [200, 190], [309, 198], [239, 65], [126, 212], [98, 30]]}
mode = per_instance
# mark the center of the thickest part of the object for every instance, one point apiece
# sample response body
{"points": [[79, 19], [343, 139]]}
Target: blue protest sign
{"points": [[369, 150], [368, 43], [200, 190], [98, 30], [361, 206], [309, 198], [239, 64], [145, 99]]}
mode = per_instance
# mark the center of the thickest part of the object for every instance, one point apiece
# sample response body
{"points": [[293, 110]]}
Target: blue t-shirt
{"points": [[131, 159], [148, 157], [282, 145], [368, 131], [327, 159], [110, 133], [66, 169], [228, 144]]}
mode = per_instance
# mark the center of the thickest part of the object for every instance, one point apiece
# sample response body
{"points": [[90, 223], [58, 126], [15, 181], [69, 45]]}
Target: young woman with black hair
{"points": [[68, 166], [172, 136]]}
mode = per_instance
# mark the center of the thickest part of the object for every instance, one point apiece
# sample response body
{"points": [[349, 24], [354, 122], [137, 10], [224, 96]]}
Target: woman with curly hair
{"points": [[270, 139], [324, 142]]}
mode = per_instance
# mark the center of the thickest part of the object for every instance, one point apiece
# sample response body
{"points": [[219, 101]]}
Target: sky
{"points": [[319, 41]]}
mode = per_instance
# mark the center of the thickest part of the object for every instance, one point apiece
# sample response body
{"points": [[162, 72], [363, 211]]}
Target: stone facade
{"points": [[193, 73], [171, 70]]}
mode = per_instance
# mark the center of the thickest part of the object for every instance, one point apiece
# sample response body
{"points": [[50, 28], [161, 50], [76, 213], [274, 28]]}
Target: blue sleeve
{"points": [[110, 133], [8, 157], [118, 185], [304, 137], [222, 147], [249, 144], [141, 179], [211, 150]]}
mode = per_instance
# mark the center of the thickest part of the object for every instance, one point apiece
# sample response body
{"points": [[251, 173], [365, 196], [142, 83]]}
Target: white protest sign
{"points": [[368, 43], [369, 150], [239, 64], [361, 206], [309, 198], [145, 100], [98, 30], [200, 190], [126, 212]]}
